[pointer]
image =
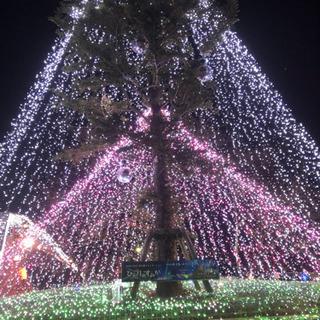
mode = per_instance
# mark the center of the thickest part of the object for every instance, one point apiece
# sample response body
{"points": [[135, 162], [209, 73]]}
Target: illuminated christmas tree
{"points": [[171, 123]]}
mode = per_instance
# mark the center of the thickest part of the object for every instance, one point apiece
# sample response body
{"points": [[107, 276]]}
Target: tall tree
{"points": [[141, 71]]}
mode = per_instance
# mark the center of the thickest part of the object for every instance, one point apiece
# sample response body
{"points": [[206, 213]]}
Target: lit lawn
{"points": [[232, 299]]}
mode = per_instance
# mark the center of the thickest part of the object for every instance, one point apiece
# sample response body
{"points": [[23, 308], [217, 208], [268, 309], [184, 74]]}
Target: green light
{"points": [[236, 298]]}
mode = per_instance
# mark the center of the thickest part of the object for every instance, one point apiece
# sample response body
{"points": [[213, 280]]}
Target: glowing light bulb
{"points": [[23, 273], [17, 258], [27, 243], [138, 249]]}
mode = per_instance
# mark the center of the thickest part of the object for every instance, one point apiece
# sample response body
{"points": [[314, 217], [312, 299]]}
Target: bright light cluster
{"points": [[251, 211], [20, 239]]}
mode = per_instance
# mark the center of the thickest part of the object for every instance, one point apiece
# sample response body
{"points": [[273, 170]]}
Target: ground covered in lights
{"points": [[237, 299]]}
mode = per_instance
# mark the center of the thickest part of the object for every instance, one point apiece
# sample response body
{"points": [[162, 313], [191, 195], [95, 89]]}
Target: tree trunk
{"points": [[166, 248]]}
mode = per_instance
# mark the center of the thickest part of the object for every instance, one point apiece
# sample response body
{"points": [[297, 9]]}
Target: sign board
{"points": [[170, 270]]}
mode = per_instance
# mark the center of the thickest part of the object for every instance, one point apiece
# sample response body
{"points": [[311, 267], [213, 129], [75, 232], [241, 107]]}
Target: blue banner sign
{"points": [[170, 270]]}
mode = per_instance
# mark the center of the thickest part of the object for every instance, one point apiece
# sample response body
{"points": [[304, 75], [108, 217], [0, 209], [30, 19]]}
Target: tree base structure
{"points": [[166, 289]]}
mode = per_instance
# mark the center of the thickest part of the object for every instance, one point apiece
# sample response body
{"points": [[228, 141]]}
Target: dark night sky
{"points": [[283, 35]]}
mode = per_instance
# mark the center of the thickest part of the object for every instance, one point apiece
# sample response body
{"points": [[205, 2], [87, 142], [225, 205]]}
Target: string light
{"points": [[251, 211], [231, 299]]}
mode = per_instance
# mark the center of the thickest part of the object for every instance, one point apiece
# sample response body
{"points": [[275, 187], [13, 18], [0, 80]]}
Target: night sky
{"points": [[283, 36]]}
